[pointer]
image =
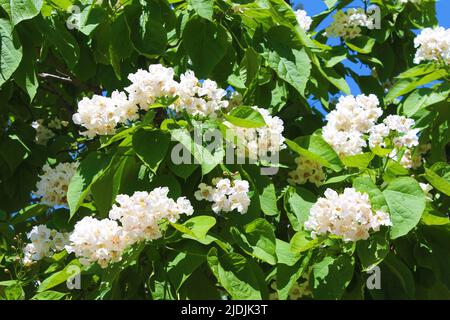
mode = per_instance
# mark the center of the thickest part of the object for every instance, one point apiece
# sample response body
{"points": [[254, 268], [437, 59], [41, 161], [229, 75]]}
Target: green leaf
{"points": [[25, 74], [419, 70], [204, 8], [330, 276], [440, 182], [245, 117], [298, 202], [242, 278], [31, 211], [10, 51], [286, 56], [196, 227], [423, 98], [202, 155], [71, 270], [404, 86], [181, 266], [105, 189], [406, 203], [398, 280], [316, 149], [258, 240], [290, 267], [14, 292], [373, 250], [206, 44], [149, 37], [360, 161], [89, 170], [14, 151], [90, 18], [302, 241], [362, 44], [24, 10], [365, 184], [60, 40], [151, 146], [49, 295]]}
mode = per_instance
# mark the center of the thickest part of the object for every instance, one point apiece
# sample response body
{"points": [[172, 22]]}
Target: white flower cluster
{"points": [[400, 133], [54, 182], [44, 243], [348, 215], [43, 134], [307, 170], [141, 213], [100, 241], [103, 241], [303, 19], [348, 24], [260, 142], [226, 196], [433, 45], [352, 118], [101, 115], [147, 86], [198, 99]]}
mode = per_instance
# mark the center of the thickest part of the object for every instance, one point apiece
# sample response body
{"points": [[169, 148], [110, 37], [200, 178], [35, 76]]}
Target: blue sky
{"points": [[314, 7]]}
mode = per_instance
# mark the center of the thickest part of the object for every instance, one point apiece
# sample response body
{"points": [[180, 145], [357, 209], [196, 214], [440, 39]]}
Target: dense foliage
{"points": [[92, 189]]}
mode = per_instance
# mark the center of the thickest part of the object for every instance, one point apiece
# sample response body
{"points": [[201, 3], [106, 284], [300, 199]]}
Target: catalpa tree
{"points": [[172, 149]]}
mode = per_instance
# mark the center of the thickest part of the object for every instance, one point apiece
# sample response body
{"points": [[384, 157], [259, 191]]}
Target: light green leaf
{"points": [[406, 203], [10, 51], [204, 8], [439, 177], [360, 161], [24, 10], [245, 117], [287, 58], [196, 227], [49, 295]]}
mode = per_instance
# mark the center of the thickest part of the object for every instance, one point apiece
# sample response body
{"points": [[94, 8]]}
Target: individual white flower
{"points": [[433, 45], [205, 192], [353, 117], [226, 196], [426, 188], [101, 241], [141, 213], [54, 182], [348, 215], [303, 19], [44, 243], [43, 134], [307, 170]]}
